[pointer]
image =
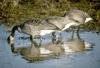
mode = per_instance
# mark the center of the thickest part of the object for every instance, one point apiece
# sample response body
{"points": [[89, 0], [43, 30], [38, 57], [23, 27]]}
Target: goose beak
{"points": [[88, 19]]}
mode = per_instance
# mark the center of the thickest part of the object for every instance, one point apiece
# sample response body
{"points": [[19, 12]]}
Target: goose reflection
{"points": [[77, 41], [33, 53], [53, 49], [30, 53], [56, 45], [76, 44]]}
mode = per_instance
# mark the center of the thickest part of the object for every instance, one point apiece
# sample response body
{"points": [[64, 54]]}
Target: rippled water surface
{"points": [[88, 59]]}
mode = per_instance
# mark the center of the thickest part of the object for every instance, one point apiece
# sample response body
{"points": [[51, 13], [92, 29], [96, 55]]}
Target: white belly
{"points": [[44, 32], [11, 38], [69, 25]]}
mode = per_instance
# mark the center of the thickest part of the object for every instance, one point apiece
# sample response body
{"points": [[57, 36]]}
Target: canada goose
{"points": [[73, 17], [80, 17], [36, 27], [33, 28]]}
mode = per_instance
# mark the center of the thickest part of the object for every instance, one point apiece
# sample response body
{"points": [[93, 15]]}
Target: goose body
{"points": [[33, 27], [73, 17], [60, 22]]}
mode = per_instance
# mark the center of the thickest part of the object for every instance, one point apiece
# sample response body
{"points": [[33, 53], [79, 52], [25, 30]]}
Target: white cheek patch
{"points": [[69, 25], [44, 32], [11, 38], [88, 19]]}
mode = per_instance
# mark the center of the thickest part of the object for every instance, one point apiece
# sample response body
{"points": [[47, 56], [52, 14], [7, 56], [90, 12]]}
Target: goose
{"points": [[33, 28], [80, 17], [73, 17], [51, 24], [31, 53]]}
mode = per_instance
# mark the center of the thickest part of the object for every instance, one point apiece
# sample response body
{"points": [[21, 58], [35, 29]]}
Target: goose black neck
{"points": [[13, 30]]}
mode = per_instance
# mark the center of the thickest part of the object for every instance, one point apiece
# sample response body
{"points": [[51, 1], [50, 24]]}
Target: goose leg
{"points": [[77, 32], [72, 37], [53, 37]]}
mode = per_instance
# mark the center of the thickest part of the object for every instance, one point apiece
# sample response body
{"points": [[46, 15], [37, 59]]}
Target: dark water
{"points": [[88, 59]]}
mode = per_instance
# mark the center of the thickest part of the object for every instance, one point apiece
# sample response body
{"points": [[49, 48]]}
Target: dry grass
{"points": [[17, 11]]}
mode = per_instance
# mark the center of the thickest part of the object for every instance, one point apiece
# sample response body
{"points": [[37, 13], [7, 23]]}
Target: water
{"points": [[87, 59]]}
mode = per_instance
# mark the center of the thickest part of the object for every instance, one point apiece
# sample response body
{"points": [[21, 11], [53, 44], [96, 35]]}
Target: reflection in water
{"points": [[30, 53], [76, 45], [83, 59], [33, 53], [50, 49]]}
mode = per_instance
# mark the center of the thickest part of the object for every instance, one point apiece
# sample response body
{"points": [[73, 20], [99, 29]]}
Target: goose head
{"points": [[11, 36]]}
